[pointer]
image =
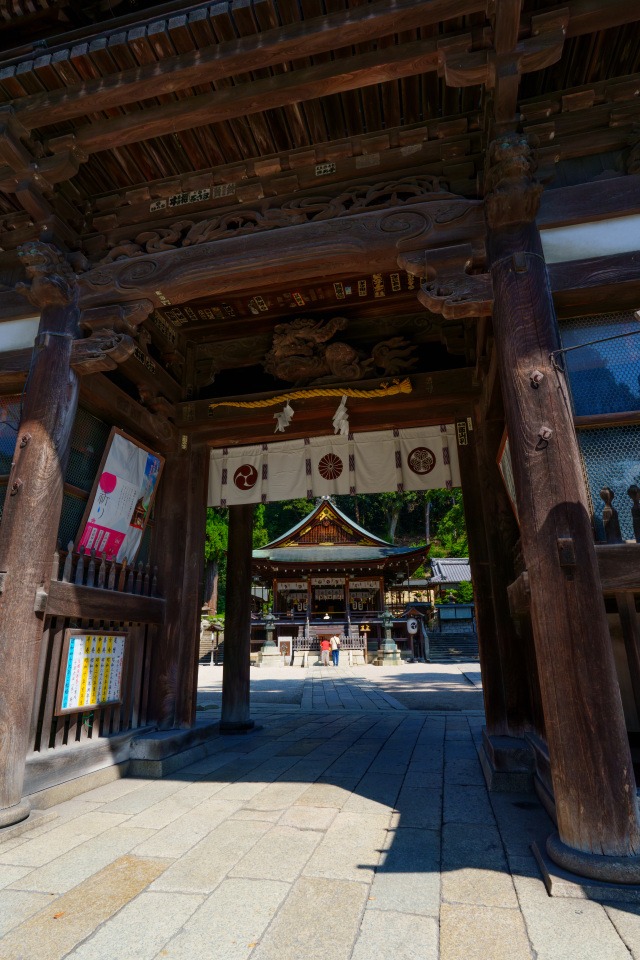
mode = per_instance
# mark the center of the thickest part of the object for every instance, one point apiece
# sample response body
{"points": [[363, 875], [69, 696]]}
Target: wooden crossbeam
{"points": [[437, 397], [209, 64], [405, 60]]}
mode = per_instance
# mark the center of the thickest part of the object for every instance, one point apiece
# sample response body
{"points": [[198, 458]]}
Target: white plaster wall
{"points": [[18, 334], [601, 238]]}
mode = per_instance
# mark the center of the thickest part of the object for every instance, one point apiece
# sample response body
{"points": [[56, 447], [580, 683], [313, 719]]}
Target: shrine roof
{"points": [[334, 554], [450, 570], [324, 503]]}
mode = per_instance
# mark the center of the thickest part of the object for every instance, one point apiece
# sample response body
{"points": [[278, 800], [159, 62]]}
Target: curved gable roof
{"points": [[286, 539]]}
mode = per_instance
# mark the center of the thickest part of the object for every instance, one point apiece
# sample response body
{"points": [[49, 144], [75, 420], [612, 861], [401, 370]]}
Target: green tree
{"points": [[215, 558]]}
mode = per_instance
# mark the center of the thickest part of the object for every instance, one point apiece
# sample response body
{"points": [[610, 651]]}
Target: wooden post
{"points": [[32, 513], [502, 534], [195, 509], [237, 625], [180, 516], [488, 647], [593, 780]]}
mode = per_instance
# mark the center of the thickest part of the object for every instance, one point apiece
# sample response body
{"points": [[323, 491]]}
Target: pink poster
{"points": [[122, 500]]}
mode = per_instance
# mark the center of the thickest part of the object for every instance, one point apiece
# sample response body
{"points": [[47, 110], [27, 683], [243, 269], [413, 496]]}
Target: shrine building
{"points": [[328, 575], [259, 250]]}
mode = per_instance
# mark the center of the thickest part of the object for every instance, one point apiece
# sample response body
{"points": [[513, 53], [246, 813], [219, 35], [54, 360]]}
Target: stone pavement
{"points": [[329, 834], [434, 686]]}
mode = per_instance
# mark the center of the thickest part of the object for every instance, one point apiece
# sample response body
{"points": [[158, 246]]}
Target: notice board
{"points": [[92, 671], [121, 500]]}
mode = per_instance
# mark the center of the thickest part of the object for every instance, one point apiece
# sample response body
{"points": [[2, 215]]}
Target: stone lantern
{"points": [[388, 653], [269, 655]]}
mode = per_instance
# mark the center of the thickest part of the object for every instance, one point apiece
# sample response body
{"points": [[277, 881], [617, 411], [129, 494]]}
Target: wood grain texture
{"points": [[237, 626], [502, 533], [70, 600], [29, 530], [247, 53], [630, 624], [194, 508], [493, 691], [360, 244], [254, 97], [592, 772]]}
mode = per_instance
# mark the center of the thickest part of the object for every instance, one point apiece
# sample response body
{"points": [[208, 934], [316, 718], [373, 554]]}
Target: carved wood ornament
{"points": [[300, 354], [53, 282], [453, 284]]}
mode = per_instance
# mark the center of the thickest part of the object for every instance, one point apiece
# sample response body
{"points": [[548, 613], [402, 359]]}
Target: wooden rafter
{"points": [[270, 47]]}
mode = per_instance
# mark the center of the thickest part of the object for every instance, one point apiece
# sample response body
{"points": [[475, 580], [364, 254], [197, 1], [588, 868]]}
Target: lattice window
{"points": [[604, 377], [611, 457]]}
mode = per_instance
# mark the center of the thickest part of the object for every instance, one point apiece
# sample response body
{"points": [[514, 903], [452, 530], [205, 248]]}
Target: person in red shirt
{"points": [[325, 648]]}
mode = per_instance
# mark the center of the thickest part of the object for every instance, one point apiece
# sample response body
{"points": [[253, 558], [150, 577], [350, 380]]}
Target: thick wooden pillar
{"points": [[237, 622], [593, 780], [180, 525], [502, 533], [192, 586], [30, 521], [488, 647]]}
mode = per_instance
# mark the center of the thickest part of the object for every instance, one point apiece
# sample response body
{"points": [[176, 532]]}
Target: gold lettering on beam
{"points": [[395, 282], [378, 285], [362, 288], [339, 290]]}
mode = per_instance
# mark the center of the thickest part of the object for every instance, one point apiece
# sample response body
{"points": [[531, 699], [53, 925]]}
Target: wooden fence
{"points": [[93, 596]]}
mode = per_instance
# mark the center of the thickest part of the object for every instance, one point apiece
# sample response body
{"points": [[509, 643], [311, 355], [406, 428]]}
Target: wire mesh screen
{"points": [[88, 441], [612, 459], [9, 423], [604, 377], [70, 518]]}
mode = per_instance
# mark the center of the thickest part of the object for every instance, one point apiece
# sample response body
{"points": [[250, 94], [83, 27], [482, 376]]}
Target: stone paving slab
{"points": [[319, 921], [397, 935], [259, 851], [55, 930], [229, 923], [484, 933]]}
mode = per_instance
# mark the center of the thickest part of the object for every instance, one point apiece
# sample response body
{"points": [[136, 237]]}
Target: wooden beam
{"points": [[104, 399], [619, 566], [209, 64], [599, 284], [336, 76], [363, 243], [14, 368], [437, 397], [587, 202], [608, 419], [69, 600]]}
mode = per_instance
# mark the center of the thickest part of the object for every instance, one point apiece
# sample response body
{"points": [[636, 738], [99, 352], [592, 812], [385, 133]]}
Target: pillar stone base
{"points": [[508, 763], [388, 655], [269, 655], [15, 814], [594, 866]]}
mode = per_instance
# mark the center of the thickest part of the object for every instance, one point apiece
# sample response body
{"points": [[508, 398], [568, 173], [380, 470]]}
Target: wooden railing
{"points": [[96, 596], [87, 586]]}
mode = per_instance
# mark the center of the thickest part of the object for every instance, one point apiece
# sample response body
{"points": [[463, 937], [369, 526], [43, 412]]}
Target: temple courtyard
{"points": [[353, 824]]}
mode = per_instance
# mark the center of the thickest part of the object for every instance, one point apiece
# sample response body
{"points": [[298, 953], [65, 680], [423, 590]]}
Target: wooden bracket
{"points": [[121, 317], [103, 350], [451, 289]]}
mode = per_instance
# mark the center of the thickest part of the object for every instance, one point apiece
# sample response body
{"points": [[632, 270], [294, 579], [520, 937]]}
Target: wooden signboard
{"points": [[93, 668], [506, 471]]}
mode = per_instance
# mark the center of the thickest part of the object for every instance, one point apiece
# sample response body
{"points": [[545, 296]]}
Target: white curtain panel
{"points": [[418, 458]]}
